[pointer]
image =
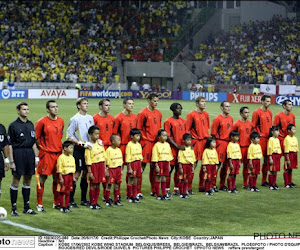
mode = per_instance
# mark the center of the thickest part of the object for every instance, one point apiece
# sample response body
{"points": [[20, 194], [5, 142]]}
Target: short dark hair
{"points": [[113, 137], [272, 129], [127, 99], [234, 133], [18, 107], [289, 127], [80, 100], [222, 103], [284, 103], [199, 98], [160, 131], [208, 141], [66, 144], [101, 102], [264, 97], [186, 136], [174, 106], [151, 96], [135, 131], [242, 109], [92, 129], [48, 103], [254, 135]]}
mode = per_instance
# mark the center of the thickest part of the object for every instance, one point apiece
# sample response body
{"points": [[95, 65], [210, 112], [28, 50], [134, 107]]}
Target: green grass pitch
{"points": [[221, 214]]}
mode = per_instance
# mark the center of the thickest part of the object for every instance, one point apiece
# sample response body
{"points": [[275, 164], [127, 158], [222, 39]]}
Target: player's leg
{"points": [[157, 186], [245, 176], [134, 189], [14, 193], [92, 194], [2, 175], [176, 181], [26, 194], [117, 194], [107, 194], [40, 192], [72, 193], [168, 182], [139, 182], [202, 181], [163, 187], [56, 201], [97, 192], [84, 187], [286, 178], [129, 188]]}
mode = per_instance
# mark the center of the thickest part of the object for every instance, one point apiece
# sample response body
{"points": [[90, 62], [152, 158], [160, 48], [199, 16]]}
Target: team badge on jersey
{"points": [[1, 138], [32, 134]]}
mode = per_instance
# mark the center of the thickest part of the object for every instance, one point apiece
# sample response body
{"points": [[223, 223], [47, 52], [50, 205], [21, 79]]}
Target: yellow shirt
{"points": [[290, 144], [114, 157], [95, 155], [133, 152], [65, 164], [254, 152], [187, 156], [210, 157], [234, 151], [162, 152], [273, 146]]}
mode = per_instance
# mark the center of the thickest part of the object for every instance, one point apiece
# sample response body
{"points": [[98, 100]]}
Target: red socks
{"points": [[40, 193]]}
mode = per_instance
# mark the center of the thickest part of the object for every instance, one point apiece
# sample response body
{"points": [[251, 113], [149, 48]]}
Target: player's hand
{"points": [[61, 181], [271, 162], [88, 145], [100, 142], [91, 176], [181, 147], [251, 166], [156, 168], [142, 170], [6, 166], [231, 166], [75, 179], [37, 159], [193, 169], [180, 171], [288, 163], [13, 166], [130, 171], [204, 169], [107, 173]]}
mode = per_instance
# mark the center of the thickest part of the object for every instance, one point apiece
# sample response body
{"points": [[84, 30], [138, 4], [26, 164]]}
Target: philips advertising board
{"points": [[210, 97]]}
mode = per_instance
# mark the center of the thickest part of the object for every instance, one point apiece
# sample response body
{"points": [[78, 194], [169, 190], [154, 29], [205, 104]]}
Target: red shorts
{"points": [[147, 150], [293, 156], [244, 151], [174, 162], [115, 175], [221, 148], [163, 168], [67, 186], [236, 167], [98, 170], [264, 145], [276, 163], [136, 167], [199, 146], [123, 149], [186, 171], [256, 167], [211, 172], [47, 163]]}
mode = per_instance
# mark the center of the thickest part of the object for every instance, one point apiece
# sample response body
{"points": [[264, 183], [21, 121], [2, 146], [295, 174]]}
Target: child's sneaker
{"points": [[92, 206], [272, 187], [131, 200], [68, 210], [108, 203], [29, 211], [118, 203], [62, 209], [98, 206], [256, 189], [40, 208], [209, 193], [140, 196]]}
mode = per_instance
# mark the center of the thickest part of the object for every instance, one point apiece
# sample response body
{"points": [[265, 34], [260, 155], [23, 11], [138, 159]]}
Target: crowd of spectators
{"points": [[78, 41], [257, 52]]}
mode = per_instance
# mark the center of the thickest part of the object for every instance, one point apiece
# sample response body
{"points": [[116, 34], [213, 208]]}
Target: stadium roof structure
{"points": [[290, 5]]}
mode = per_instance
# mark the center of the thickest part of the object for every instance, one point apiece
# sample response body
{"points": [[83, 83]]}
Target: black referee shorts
{"points": [[2, 172], [79, 158], [24, 160]]}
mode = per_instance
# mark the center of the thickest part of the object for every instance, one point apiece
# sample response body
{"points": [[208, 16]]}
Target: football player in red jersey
{"points": [[149, 122]]}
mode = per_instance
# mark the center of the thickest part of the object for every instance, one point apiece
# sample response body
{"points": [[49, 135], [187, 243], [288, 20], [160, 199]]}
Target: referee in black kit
{"points": [[23, 157]]}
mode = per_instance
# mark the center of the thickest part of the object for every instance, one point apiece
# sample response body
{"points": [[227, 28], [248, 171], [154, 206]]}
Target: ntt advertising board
{"points": [[210, 97], [105, 94], [13, 94], [294, 99]]}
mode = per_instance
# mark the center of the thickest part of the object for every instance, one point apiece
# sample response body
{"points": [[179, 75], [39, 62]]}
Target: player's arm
{"points": [[249, 157], [286, 152], [229, 155], [256, 121], [6, 157], [11, 135], [155, 157], [116, 126], [269, 151], [38, 131], [71, 132], [88, 162], [214, 127], [128, 158], [189, 122], [140, 120], [180, 168], [36, 153], [59, 165]]}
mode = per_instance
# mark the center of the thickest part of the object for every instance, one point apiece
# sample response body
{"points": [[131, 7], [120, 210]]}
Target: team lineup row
{"points": [[176, 147]]}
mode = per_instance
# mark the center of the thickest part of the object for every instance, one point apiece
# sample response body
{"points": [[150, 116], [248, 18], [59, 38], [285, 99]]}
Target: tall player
{"points": [[262, 121], [49, 131], [175, 127], [282, 120], [149, 122], [245, 128], [197, 124], [123, 123], [105, 122], [77, 133], [220, 129]]}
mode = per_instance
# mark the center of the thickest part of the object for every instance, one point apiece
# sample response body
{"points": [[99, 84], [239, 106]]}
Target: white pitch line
{"points": [[8, 222]]}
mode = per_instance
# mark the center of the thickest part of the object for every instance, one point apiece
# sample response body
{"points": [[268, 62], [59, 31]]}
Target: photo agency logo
{"points": [[273, 236], [17, 242]]}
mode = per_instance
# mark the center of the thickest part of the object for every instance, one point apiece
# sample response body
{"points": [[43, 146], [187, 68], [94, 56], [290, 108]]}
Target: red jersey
{"points": [[105, 125], [175, 129], [282, 120], [149, 122], [262, 121], [122, 126], [49, 134], [221, 127], [198, 124], [245, 129]]}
